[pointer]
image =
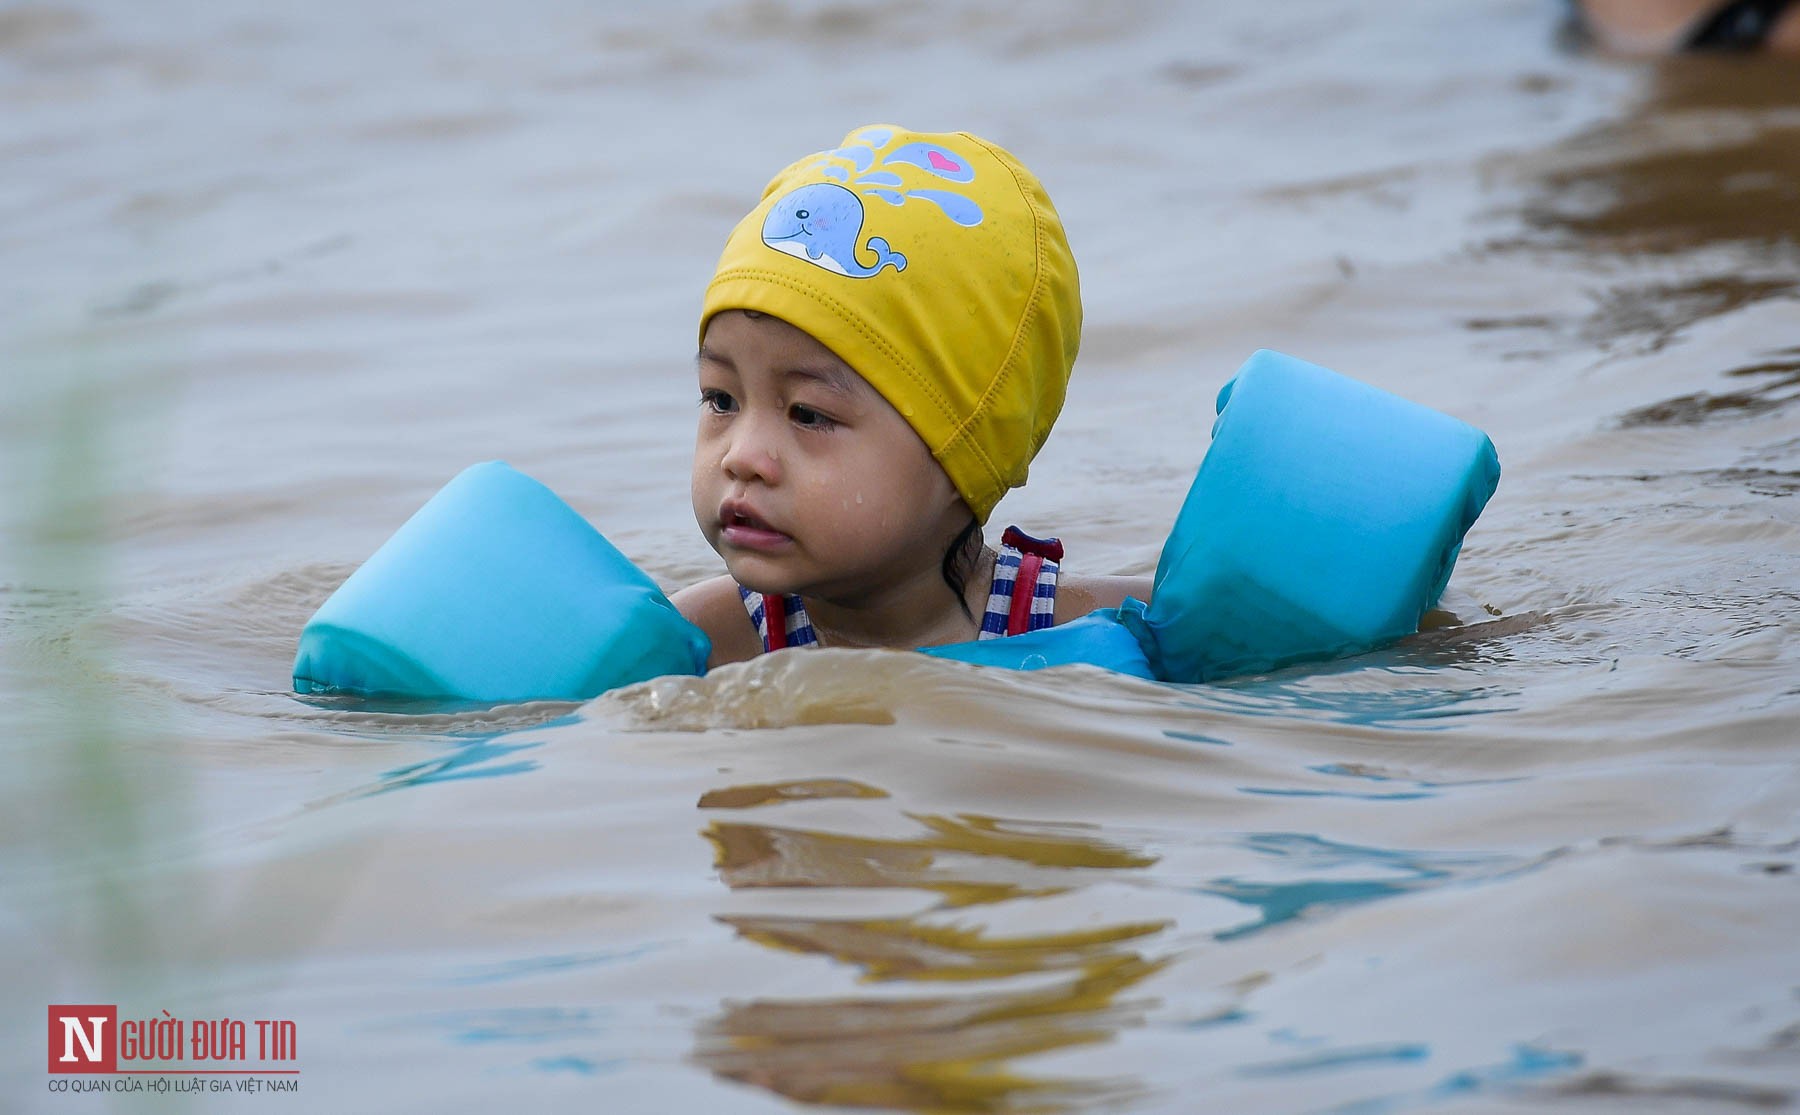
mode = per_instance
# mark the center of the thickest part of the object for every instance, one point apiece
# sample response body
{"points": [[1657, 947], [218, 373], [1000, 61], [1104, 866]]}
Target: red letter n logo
{"points": [[84, 1039]]}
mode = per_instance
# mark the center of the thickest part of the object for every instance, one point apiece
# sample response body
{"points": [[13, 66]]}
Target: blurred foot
{"points": [[1669, 26]]}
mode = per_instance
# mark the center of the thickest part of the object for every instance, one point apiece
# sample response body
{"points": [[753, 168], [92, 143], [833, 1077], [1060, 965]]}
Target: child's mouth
{"points": [[742, 529]]}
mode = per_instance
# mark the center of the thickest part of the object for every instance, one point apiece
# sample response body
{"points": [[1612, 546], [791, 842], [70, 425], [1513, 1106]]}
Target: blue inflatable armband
{"points": [[1098, 639], [495, 591], [1325, 520]]}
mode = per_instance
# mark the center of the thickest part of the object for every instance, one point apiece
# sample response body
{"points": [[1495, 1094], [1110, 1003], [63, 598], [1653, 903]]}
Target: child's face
{"points": [[806, 480]]}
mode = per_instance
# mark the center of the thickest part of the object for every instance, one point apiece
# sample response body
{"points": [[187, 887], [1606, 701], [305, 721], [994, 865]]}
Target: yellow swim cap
{"points": [[936, 267]]}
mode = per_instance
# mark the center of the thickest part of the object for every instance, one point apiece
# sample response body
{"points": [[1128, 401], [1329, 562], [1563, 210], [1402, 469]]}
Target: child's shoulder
{"points": [[717, 608], [1077, 594]]}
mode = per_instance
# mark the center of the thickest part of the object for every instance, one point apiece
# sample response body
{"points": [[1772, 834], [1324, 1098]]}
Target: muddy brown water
{"points": [[269, 276]]}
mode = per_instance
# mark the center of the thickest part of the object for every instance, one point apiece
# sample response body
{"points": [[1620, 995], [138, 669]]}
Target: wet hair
{"points": [[957, 560]]}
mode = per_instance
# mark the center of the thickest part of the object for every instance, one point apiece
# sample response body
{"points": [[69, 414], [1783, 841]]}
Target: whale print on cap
{"points": [[822, 222]]}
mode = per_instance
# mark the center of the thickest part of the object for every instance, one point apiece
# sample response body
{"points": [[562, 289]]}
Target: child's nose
{"points": [[751, 451]]}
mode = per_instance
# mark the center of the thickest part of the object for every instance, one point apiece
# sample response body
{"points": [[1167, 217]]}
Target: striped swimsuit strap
{"points": [[1024, 594], [1023, 597], [789, 626]]}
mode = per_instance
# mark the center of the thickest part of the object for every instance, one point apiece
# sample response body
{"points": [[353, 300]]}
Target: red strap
{"points": [[1018, 617], [1050, 548], [775, 620], [1033, 552]]}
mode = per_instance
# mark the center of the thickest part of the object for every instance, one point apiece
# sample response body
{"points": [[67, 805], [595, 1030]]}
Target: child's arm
{"points": [[714, 606], [1077, 595]]}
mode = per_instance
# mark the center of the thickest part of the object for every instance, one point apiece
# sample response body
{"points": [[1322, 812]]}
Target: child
{"points": [[883, 349]]}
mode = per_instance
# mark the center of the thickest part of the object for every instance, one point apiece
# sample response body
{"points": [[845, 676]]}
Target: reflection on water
{"points": [[774, 793], [1388, 699], [1768, 385], [1373, 874], [1528, 1063], [1699, 188], [1693, 1095], [1711, 156], [937, 1052], [906, 949], [481, 759], [967, 860], [1330, 1059], [952, 1052]]}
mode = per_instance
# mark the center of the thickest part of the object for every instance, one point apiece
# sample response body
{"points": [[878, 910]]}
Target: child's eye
{"points": [[809, 418], [716, 401]]}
